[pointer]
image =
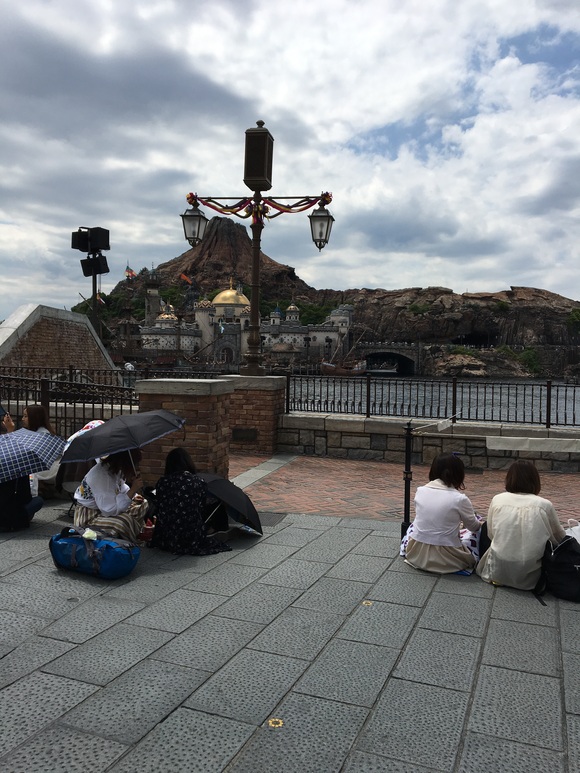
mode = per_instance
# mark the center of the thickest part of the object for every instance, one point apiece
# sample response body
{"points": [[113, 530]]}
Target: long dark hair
{"points": [[179, 460], [125, 462], [448, 468], [38, 417]]}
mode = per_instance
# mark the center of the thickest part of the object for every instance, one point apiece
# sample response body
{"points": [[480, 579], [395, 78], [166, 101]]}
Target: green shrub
{"points": [[419, 308]]}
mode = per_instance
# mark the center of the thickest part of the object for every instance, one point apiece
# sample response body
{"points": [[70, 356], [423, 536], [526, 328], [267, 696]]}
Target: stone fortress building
{"points": [[216, 331]]}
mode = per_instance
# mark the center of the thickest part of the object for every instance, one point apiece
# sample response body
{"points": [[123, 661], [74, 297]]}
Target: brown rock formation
{"points": [[520, 316]]}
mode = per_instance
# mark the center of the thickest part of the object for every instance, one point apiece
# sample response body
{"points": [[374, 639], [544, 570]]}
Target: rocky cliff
{"points": [[521, 317]]}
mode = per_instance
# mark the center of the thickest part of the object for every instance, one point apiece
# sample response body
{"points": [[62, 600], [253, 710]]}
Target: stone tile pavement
{"points": [[311, 650]]}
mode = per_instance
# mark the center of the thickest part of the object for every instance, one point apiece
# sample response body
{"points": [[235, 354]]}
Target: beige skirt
{"points": [[126, 525], [442, 559]]}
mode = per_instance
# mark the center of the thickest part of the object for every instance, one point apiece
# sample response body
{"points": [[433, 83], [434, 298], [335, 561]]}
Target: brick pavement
{"points": [[368, 489]]}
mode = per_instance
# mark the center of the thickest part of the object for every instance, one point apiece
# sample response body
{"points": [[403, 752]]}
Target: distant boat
{"points": [[343, 369]]}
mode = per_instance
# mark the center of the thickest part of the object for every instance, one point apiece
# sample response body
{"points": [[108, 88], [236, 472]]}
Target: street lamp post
{"points": [[258, 177]]}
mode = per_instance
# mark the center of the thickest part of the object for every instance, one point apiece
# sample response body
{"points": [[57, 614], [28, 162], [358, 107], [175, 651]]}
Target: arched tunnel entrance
{"points": [[388, 363]]}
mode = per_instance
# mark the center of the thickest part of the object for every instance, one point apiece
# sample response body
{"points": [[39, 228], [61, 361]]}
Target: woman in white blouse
{"points": [[519, 523], [106, 501], [441, 510]]}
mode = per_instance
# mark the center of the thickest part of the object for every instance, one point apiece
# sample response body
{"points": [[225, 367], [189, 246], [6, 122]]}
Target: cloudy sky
{"points": [[448, 133]]}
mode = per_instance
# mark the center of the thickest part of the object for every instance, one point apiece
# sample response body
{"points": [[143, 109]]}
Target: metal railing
{"points": [[70, 404], [74, 396], [524, 402]]}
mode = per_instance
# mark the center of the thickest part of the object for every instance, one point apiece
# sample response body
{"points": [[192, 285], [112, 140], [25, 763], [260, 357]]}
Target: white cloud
{"points": [[446, 132]]}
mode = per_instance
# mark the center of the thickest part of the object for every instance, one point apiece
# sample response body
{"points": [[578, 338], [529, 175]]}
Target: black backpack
{"points": [[561, 569]]}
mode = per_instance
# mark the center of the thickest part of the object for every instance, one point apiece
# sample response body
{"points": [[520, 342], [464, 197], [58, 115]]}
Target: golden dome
{"points": [[230, 297]]}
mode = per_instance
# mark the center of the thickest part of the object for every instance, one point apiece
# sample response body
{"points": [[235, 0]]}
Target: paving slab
{"points": [[376, 622], [177, 611], [571, 665], [134, 703], [359, 568], [259, 603], [29, 656], [294, 536], [90, 618], [506, 705], [412, 590], [456, 613], [299, 633], [209, 643], [34, 702], [442, 659], [330, 595], [349, 672], [63, 750], [573, 727], [523, 607], [108, 654], [294, 573], [434, 714], [226, 579], [531, 648], [361, 762], [570, 626], [305, 734], [186, 742], [485, 753], [248, 687], [376, 544]]}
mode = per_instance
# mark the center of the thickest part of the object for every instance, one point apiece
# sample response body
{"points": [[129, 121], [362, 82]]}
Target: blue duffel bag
{"points": [[104, 557]]}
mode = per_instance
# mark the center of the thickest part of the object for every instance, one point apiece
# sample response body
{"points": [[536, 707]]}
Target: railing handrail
{"points": [[545, 403]]}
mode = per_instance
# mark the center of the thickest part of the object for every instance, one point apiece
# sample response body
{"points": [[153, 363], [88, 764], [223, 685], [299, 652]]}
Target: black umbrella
{"points": [[237, 503], [122, 433]]}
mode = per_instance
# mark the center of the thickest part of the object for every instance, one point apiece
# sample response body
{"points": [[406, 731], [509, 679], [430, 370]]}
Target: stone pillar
{"points": [[256, 406], [205, 406]]}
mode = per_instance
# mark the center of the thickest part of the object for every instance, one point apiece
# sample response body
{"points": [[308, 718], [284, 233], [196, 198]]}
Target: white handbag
{"points": [[573, 529]]}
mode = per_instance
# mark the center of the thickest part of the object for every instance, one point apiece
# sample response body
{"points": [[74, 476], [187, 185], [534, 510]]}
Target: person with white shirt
{"points": [[441, 511]]}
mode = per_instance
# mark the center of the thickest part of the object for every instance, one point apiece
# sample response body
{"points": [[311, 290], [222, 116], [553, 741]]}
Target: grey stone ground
{"points": [[314, 649]]}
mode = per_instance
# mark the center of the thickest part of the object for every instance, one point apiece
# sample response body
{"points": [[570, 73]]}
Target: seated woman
{"points": [[181, 497], [17, 505], [36, 419], [106, 501], [440, 511], [519, 523]]}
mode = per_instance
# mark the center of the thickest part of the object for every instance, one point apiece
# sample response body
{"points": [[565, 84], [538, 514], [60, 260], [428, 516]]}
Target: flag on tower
{"points": [[101, 299], [129, 273]]}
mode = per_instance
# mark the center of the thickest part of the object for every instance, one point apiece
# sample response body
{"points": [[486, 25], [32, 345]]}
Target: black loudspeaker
{"points": [[80, 241], [90, 240], [258, 158], [99, 240], [95, 265]]}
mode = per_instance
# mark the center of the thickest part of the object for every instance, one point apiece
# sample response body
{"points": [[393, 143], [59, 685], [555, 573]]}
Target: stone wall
{"points": [[352, 437]]}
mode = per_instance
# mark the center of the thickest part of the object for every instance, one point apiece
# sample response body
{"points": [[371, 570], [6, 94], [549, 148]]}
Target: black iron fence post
{"points": [[45, 393], [408, 477], [454, 400], [548, 404], [288, 393], [368, 376]]}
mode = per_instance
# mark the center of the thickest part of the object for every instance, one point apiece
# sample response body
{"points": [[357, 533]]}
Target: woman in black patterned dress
{"points": [[180, 496]]}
